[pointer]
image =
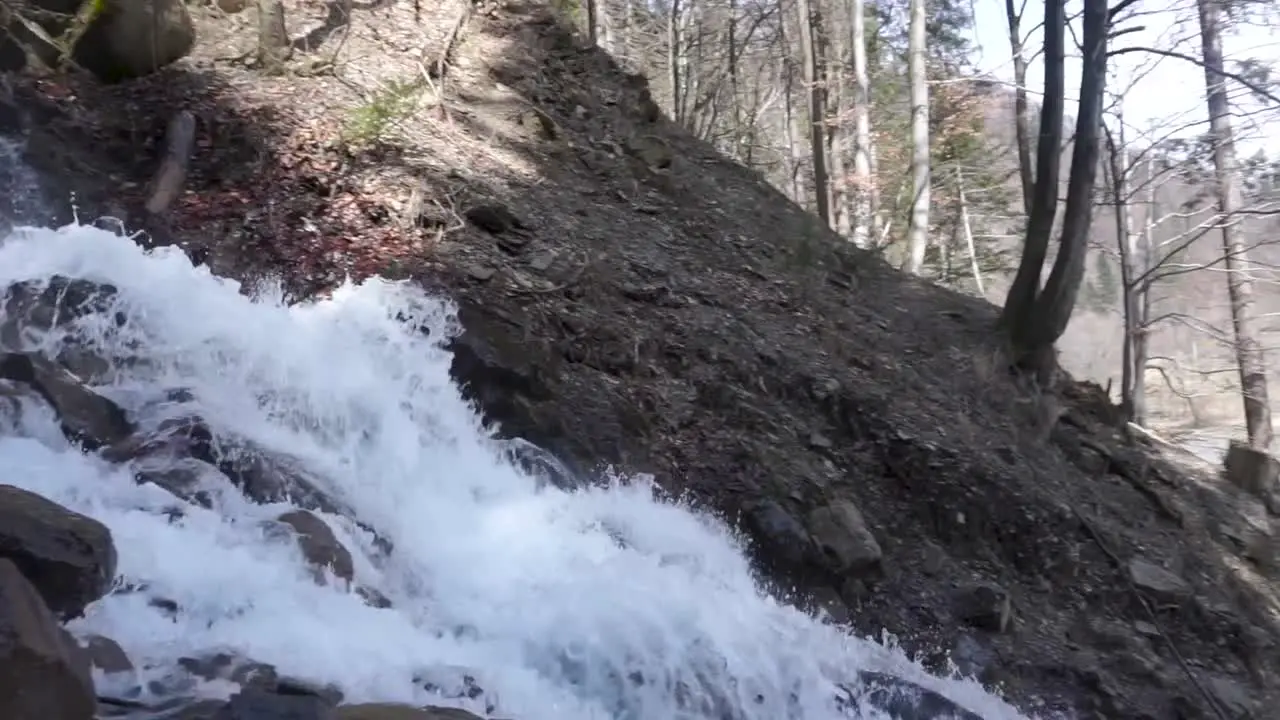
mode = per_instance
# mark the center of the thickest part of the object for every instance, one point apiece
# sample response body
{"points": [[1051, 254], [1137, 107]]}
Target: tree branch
{"points": [[1199, 63]]}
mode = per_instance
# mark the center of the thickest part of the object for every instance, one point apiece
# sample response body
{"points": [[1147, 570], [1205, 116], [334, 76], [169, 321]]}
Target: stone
{"points": [[1254, 471], [844, 540], [43, 672], [780, 540], [87, 418], [373, 597], [255, 704], [106, 655], [493, 218], [984, 606], [396, 711], [68, 557], [900, 699], [319, 545], [1157, 581]]}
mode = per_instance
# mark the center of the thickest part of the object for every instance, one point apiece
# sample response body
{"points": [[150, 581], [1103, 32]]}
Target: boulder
{"points": [[43, 672], [844, 539], [319, 545], [1254, 471], [87, 418], [68, 557], [127, 39]]}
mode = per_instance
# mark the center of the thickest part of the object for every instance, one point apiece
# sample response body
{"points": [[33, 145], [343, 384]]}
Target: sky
{"points": [[1158, 92]]}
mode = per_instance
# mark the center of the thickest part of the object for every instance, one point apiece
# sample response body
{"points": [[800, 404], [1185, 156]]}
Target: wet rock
{"points": [[106, 655], [319, 545], [297, 686], [373, 598], [267, 477], [901, 699], [254, 704], [68, 557], [172, 438], [225, 666], [780, 539], [541, 464], [86, 417], [43, 306], [184, 479], [844, 539], [43, 672], [16, 400], [395, 711], [984, 606], [1157, 581]]}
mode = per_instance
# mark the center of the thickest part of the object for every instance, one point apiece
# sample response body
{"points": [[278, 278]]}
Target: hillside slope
{"points": [[631, 297]]}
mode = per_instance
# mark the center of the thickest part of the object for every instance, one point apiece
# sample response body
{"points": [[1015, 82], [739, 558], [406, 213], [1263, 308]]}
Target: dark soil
{"points": [[632, 297]]}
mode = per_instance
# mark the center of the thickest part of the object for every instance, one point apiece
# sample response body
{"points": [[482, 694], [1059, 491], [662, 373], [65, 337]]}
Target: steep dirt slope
{"points": [[631, 297]]}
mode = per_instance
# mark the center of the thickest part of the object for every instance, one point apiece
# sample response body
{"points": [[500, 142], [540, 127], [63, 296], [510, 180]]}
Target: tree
{"points": [[1034, 319], [274, 48], [1249, 353], [918, 229]]}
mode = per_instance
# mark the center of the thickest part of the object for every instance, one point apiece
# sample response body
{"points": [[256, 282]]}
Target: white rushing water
{"points": [[527, 588]]}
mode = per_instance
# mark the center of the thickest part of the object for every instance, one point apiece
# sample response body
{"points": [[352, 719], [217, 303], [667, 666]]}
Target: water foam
{"points": [[600, 603]]}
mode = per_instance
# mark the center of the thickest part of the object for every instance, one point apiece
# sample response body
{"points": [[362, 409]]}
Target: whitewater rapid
{"points": [[557, 603]]}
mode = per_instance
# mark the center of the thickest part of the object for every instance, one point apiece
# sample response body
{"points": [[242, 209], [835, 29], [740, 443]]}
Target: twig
{"points": [[172, 174], [1151, 615]]}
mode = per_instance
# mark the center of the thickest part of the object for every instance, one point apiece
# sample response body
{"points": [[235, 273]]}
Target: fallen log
{"points": [[170, 177]]}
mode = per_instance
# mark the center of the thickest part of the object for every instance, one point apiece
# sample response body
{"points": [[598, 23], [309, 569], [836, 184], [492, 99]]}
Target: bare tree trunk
{"points": [[863, 234], [809, 21], [592, 22], [1142, 267], [1022, 115], [274, 49], [673, 62], [1118, 177], [1249, 353], [967, 228], [918, 228]]}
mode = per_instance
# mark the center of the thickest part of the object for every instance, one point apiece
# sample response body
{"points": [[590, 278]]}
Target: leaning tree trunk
{"points": [[1249, 353]]}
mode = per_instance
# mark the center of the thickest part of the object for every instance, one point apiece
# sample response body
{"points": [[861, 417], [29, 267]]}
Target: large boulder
{"points": [[43, 672], [126, 39], [68, 557]]}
